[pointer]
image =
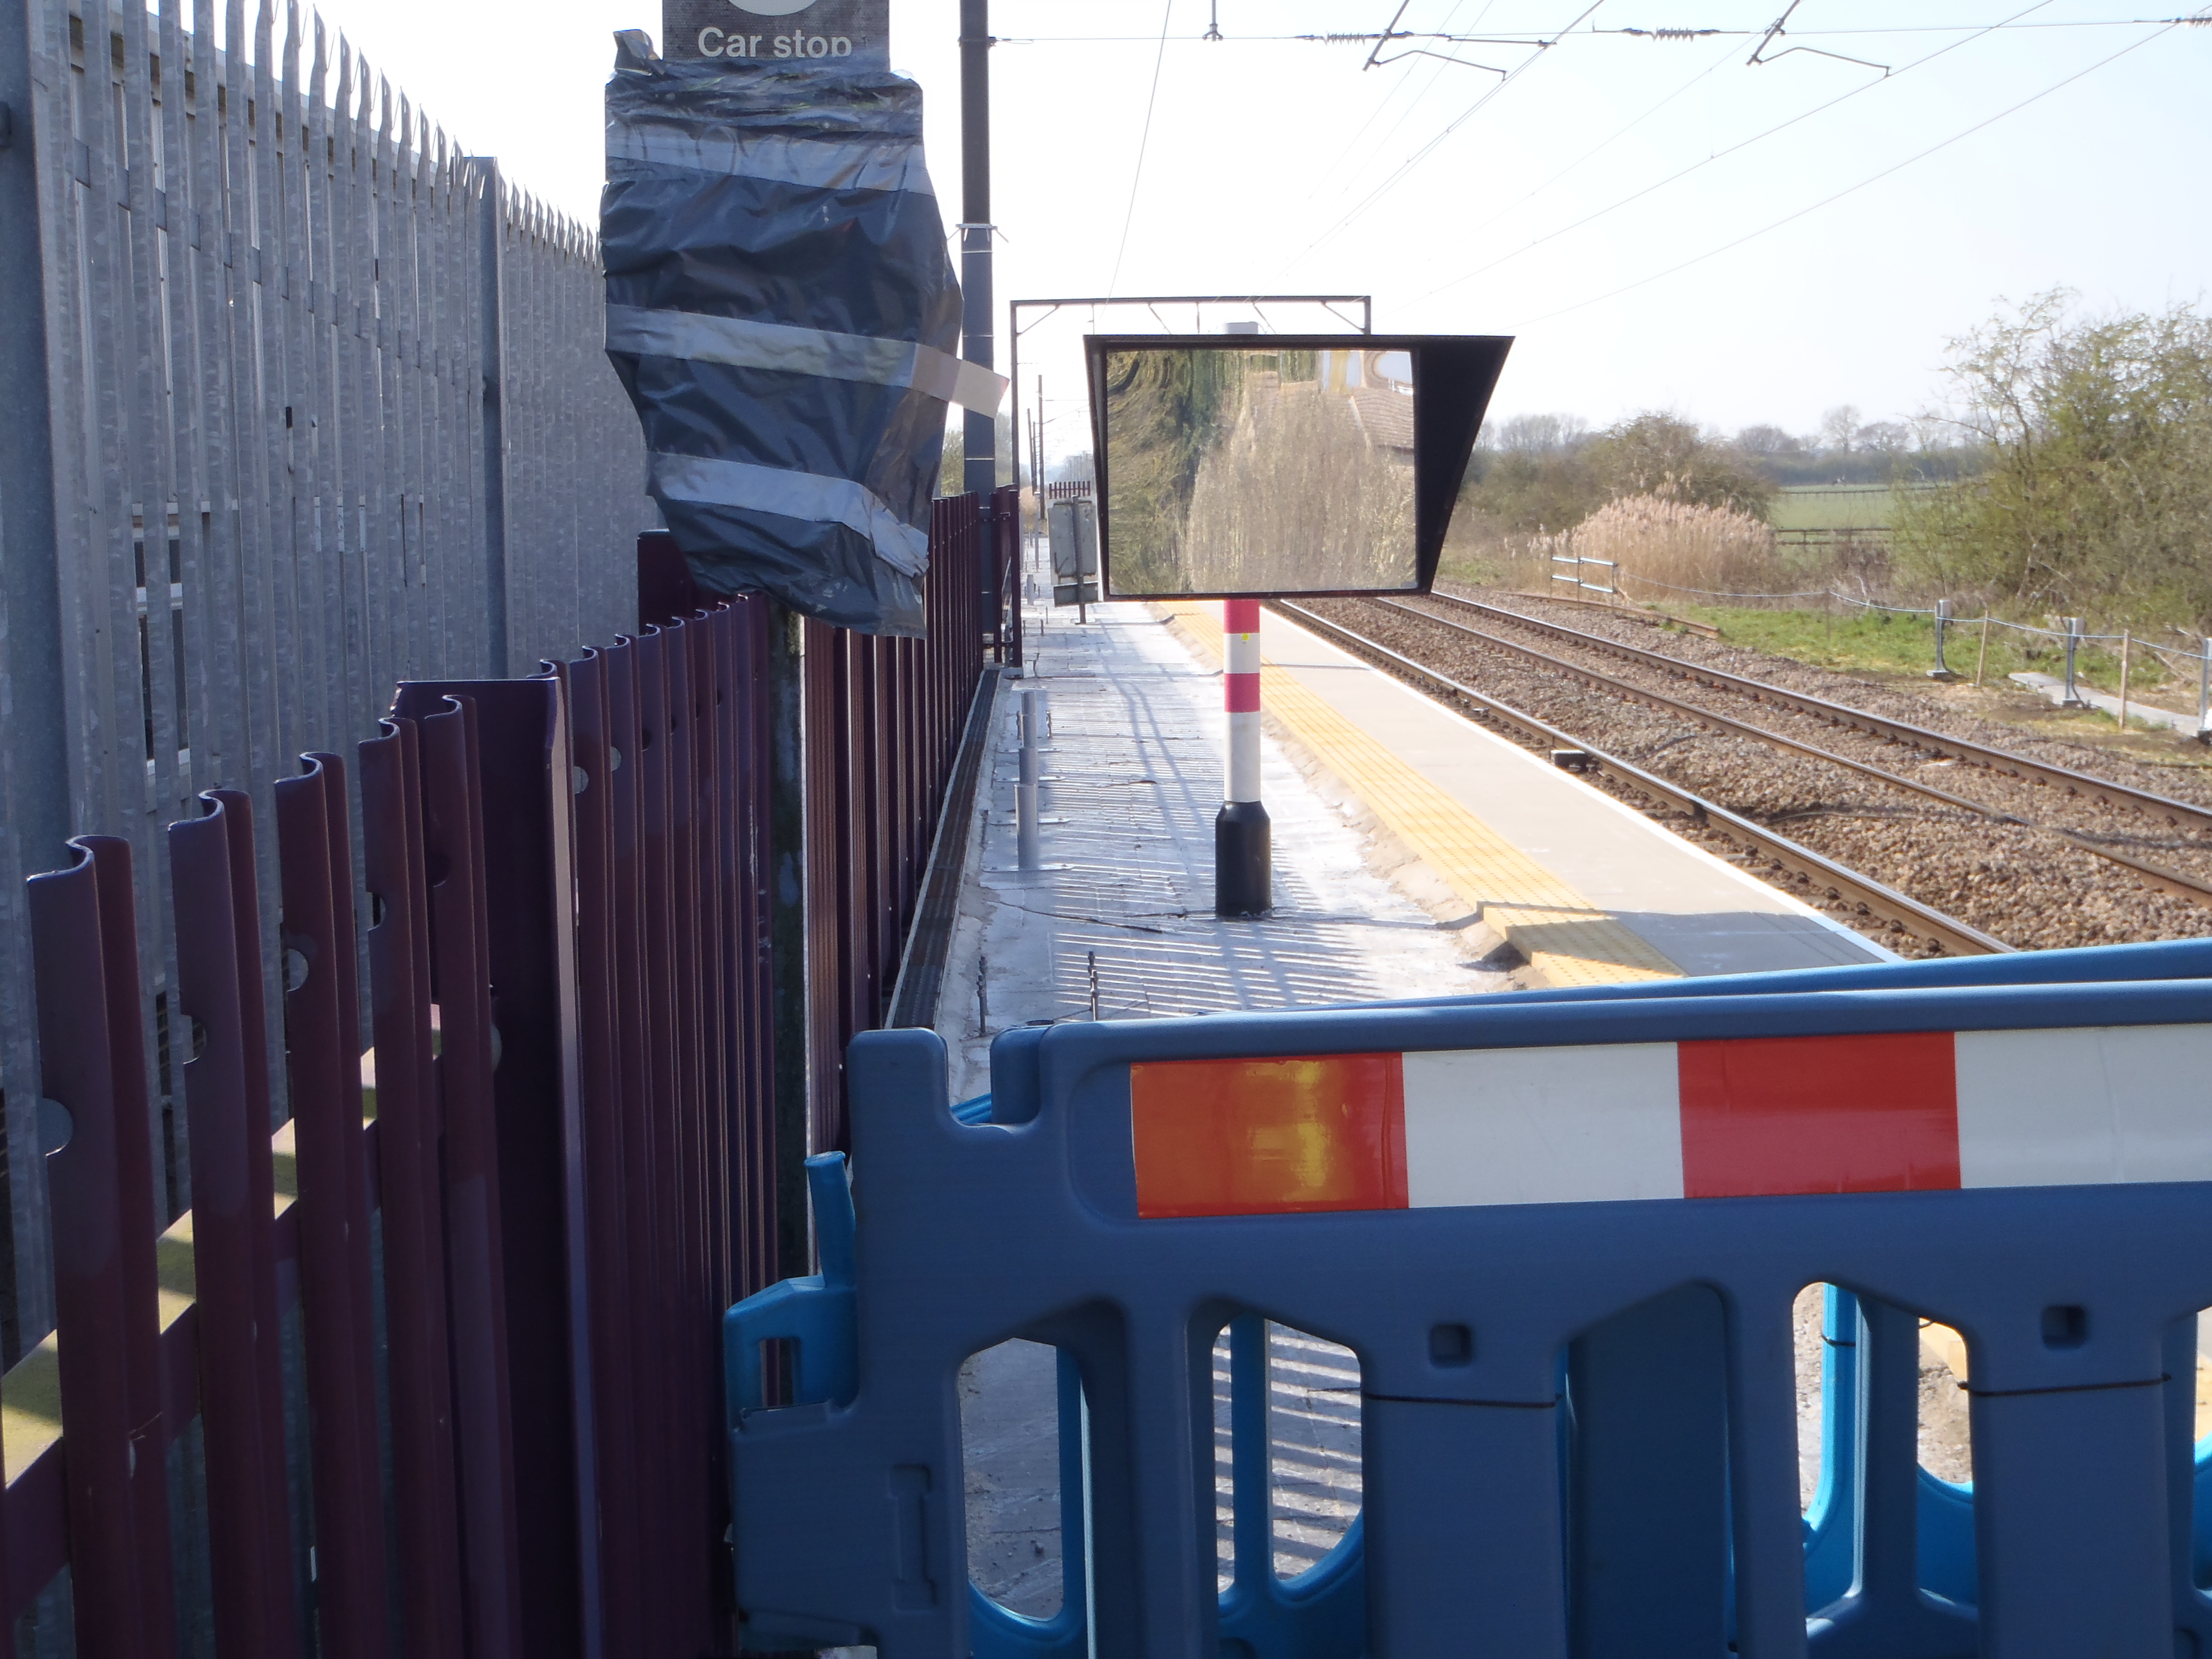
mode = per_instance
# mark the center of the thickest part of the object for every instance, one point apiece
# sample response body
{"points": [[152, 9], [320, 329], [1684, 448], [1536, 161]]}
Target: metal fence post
{"points": [[33, 729], [2072, 699], [2204, 694], [522, 786], [2127, 651], [1941, 671], [491, 222]]}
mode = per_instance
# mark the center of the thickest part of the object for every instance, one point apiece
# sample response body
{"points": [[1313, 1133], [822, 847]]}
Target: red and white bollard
{"points": [[1242, 859]]}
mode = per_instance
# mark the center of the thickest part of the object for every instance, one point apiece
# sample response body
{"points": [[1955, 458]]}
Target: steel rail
{"points": [[2176, 812], [1649, 618], [2158, 875], [1923, 922]]}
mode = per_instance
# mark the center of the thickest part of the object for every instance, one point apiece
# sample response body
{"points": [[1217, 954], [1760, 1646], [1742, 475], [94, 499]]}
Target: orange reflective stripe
{"points": [[1255, 1137]]}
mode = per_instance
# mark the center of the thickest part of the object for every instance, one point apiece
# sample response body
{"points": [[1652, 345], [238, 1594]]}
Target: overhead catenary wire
{"points": [[1681, 174], [1862, 184], [1351, 145], [2198, 19], [1144, 142], [1454, 125], [1606, 143]]}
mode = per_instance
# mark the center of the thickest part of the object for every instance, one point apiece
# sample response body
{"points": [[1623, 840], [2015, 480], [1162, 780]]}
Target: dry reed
{"points": [[1662, 547]]}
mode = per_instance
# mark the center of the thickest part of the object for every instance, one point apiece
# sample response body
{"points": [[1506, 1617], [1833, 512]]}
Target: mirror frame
{"points": [[1454, 376]]}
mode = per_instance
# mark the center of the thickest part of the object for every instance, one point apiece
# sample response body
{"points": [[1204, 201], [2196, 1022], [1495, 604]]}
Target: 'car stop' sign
{"points": [[781, 34]]}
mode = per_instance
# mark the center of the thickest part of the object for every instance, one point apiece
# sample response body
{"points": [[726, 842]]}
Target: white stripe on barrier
{"points": [[1542, 1125], [2085, 1105]]}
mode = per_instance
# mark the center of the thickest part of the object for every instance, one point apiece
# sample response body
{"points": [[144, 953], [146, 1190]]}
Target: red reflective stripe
{"points": [[1819, 1115], [1258, 1137], [1242, 693], [1240, 616]]}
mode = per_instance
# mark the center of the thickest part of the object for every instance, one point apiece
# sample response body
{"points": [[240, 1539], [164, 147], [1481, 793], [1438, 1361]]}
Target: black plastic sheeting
{"points": [[784, 313]]}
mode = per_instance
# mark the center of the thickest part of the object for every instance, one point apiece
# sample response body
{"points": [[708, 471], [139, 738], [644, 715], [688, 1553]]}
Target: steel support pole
{"points": [[34, 778], [982, 472], [1242, 874], [787, 851], [1029, 835]]}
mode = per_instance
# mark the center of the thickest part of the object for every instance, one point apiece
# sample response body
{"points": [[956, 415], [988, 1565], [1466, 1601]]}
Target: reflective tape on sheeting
{"points": [[744, 343], [1903, 1112], [807, 496], [816, 163]]}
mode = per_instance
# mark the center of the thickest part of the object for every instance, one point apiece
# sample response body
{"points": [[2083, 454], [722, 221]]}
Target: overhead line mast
{"points": [[979, 473]]}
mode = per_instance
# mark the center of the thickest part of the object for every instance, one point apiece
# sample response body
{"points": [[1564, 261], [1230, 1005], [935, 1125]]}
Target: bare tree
{"points": [[1765, 439], [1839, 429], [1891, 438], [1537, 434]]}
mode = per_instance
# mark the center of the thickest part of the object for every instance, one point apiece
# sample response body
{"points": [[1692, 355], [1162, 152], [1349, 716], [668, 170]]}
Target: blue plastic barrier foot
{"points": [[2070, 1489], [1461, 1504]]}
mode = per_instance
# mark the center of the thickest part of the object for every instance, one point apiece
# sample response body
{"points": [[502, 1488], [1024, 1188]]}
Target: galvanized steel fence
{"points": [[298, 401]]}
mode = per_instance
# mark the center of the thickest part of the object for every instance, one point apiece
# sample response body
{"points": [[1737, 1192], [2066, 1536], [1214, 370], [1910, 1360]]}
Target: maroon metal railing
{"points": [[894, 711], [1004, 586], [562, 1169]]}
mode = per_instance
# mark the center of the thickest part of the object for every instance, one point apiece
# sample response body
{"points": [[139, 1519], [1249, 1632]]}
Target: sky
{"points": [[1660, 223]]}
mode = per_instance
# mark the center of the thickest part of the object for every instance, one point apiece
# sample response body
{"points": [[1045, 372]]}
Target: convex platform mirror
{"points": [[1311, 464]]}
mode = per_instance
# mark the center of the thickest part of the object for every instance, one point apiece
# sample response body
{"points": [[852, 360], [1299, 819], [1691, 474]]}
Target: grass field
{"points": [[1832, 506], [1877, 641]]}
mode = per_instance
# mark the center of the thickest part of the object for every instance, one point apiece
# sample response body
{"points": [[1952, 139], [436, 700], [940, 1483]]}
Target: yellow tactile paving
{"points": [[1565, 938]]}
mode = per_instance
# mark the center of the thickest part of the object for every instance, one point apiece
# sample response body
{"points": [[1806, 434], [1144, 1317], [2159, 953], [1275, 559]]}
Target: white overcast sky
{"points": [[1613, 205]]}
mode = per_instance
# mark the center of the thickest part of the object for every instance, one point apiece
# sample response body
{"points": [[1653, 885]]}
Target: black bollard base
{"points": [[1243, 860]]}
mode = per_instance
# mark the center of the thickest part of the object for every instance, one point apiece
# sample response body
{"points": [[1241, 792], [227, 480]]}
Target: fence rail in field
{"points": [[300, 401]]}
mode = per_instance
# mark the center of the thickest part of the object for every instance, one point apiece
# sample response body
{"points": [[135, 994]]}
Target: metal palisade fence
{"points": [[296, 402], [433, 1368]]}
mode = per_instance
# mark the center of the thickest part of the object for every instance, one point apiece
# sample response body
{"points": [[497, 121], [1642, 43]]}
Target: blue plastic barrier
{"points": [[1649, 1505]]}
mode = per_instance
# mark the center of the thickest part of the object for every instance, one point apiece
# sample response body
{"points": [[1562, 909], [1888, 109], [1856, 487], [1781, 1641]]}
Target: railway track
{"points": [[1937, 746], [1815, 875]]}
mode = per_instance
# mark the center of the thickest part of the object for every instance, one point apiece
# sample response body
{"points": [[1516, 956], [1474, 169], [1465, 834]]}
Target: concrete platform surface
{"points": [[1584, 886], [1132, 779]]}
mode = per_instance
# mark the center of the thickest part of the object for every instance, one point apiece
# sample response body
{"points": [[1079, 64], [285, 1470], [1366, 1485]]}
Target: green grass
{"points": [[1832, 506], [1861, 641], [1877, 641]]}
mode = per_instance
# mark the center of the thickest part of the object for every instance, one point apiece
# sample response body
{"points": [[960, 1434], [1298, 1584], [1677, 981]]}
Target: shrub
{"points": [[2097, 498], [1661, 545]]}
